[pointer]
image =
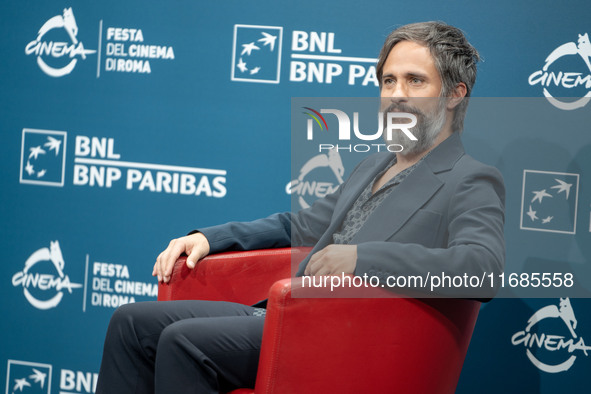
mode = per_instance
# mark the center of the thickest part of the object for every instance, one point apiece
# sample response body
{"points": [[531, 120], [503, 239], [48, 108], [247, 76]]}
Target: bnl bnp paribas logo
{"points": [[315, 58], [256, 55], [561, 74], [550, 338], [28, 377], [43, 157], [97, 164], [549, 201], [57, 47]]}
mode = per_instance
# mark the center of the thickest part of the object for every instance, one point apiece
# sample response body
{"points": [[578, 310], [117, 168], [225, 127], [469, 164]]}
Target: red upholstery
{"points": [[335, 345]]}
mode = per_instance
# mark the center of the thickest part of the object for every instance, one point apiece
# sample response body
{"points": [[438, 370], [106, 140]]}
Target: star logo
{"points": [[549, 201], [53, 144], [548, 219], [539, 195], [35, 152], [563, 187], [43, 157], [242, 66], [531, 213], [256, 53], [248, 48], [38, 377], [20, 384], [268, 40]]}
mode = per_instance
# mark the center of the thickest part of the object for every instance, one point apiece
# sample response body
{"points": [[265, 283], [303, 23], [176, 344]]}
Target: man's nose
{"points": [[399, 94]]}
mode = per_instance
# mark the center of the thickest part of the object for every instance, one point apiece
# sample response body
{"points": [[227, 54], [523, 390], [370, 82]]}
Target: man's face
{"points": [[411, 83]]}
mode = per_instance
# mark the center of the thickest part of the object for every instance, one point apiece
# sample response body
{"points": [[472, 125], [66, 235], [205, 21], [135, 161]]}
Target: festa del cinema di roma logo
{"points": [[35, 283], [53, 52], [551, 343], [566, 80]]}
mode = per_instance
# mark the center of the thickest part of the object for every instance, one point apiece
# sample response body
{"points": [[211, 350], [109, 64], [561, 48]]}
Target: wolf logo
{"points": [[582, 48], [56, 257], [565, 312], [66, 21], [332, 160]]}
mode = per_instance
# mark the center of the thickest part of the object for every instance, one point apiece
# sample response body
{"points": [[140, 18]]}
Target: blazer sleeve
{"points": [[303, 228], [475, 247]]}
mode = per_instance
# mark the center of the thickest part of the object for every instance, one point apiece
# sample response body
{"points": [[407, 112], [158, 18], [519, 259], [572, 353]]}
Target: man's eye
{"points": [[388, 81], [416, 81]]}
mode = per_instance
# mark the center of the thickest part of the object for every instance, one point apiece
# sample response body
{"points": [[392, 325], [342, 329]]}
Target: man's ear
{"points": [[457, 96]]}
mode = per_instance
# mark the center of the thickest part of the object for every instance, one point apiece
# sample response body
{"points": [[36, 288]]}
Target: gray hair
{"points": [[455, 58]]}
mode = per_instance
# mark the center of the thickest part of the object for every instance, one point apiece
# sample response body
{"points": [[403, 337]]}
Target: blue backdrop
{"points": [[126, 124]]}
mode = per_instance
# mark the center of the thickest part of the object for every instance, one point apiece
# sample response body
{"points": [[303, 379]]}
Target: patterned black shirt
{"points": [[366, 203]]}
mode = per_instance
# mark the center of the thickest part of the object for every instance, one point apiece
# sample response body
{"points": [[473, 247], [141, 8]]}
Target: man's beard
{"points": [[426, 130]]}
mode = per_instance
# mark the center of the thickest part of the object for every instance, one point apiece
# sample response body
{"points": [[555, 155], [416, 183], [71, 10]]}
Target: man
{"points": [[429, 208]]}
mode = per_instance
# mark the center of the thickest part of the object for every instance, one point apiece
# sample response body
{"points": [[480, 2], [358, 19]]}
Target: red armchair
{"points": [[334, 345]]}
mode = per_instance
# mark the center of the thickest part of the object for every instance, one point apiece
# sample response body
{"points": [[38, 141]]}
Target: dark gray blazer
{"points": [[446, 216]]}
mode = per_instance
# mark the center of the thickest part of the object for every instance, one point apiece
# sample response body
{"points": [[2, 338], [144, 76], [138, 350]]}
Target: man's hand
{"points": [[195, 246], [333, 260]]}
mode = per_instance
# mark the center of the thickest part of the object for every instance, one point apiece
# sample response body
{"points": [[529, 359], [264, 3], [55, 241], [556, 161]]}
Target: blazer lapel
{"points": [[355, 187]]}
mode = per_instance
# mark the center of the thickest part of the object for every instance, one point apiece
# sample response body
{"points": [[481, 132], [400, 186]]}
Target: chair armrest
{"points": [[400, 345], [243, 277]]}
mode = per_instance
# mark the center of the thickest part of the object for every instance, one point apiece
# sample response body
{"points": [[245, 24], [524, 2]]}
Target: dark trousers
{"points": [[181, 347]]}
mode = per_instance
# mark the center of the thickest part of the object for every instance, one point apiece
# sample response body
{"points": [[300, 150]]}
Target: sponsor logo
{"points": [[43, 157], [58, 58], [314, 181], [316, 59], [36, 283], [562, 349], [112, 286], [256, 57], [35, 378], [549, 201], [107, 285], [28, 377], [97, 164], [553, 78], [127, 52], [256, 53]]}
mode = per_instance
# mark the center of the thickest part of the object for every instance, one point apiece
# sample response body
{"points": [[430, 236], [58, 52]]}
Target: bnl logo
{"points": [[256, 53], [43, 157], [28, 377], [549, 201]]}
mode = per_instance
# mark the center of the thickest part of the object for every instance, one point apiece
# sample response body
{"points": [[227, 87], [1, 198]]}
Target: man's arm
{"points": [[475, 246], [475, 243], [278, 230], [303, 228]]}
